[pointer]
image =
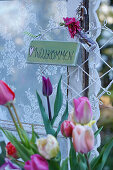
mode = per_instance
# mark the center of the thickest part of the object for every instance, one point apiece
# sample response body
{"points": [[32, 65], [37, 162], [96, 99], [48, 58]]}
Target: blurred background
{"points": [[105, 13]]}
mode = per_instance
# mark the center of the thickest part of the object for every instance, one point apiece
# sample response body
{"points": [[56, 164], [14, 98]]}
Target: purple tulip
{"points": [[47, 86], [37, 162], [9, 165], [82, 110]]}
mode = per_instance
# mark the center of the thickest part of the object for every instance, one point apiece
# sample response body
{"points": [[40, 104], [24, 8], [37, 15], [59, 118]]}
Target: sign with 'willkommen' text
{"points": [[53, 52]]}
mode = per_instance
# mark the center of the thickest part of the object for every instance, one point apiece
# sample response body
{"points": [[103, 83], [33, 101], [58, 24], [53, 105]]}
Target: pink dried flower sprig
{"points": [[73, 26]]}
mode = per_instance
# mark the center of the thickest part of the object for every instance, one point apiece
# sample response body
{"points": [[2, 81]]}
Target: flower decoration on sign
{"points": [[76, 30], [73, 26]]}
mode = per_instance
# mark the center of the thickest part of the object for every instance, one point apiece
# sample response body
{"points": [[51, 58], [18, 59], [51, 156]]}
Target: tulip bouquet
{"points": [[43, 153]]}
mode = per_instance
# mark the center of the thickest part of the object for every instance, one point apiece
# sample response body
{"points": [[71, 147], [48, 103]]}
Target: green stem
{"points": [[88, 165], [17, 116], [12, 116], [49, 108]]}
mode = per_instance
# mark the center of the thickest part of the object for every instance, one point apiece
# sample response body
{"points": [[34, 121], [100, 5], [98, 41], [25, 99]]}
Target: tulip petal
{"points": [[80, 112], [49, 87], [44, 86], [85, 112], [76, 103], [27, 165], [89, 138], [83, 98], [38, 163], [77, 136], [83, 139], [6, 94]]}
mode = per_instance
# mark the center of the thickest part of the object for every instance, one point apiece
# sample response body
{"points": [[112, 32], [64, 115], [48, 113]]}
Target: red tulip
{"points": [[11, 150], [6, 94], [67, 128]]}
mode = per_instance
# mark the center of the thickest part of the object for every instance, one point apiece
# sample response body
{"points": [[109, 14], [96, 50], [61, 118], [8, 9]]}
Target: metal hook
{"points": [[84, 9]]}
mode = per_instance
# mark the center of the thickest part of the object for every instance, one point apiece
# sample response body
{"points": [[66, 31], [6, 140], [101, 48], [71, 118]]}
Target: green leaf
{"points": [[98, 131], [22, 150], [46, 121], [25, 137], [36, 135], [99, 162], [82, 166], [64, 117], [81, 157], [58, 101], [3, 153], [64, 165], [34, 148], [58, 157], [19, 163], [72, 157], [53, 165], [33, 138]]}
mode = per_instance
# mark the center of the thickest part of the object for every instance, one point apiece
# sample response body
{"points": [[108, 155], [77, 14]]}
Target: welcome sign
{"points": [[53, 52]]}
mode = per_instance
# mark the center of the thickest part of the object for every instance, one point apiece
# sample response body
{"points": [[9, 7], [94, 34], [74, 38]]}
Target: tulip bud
{"points": [[37, 162], [67, 128], [11, 150], [46, 87], [82, 110], [83, 139], [6, 94], [48, 147]]}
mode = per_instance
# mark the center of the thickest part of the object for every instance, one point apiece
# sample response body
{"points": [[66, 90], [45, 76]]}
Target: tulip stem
{"points": [[49, 108], [12, 116], [17, 116], [88, 165]]}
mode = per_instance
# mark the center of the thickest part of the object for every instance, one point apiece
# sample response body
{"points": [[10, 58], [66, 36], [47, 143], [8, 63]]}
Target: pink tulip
{"points": [[6, 94], [83, 139], [37, 162], [67, 128], [82, 110]]}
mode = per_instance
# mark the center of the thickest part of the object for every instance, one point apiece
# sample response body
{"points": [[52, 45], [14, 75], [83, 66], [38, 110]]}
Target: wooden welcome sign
{"points": [[53, 52]]}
